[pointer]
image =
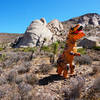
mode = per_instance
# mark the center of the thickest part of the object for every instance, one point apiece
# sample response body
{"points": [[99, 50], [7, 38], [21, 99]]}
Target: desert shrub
{"points": [[31, 79], [44, 69], [20, 79], [28, 49], [5, 92], [10, 61], [24, 67], [26, 56], [97, 84], [81, 51], [94, 91], [12, 75], [14, 58], [95, 70], [25, 89], [1, 48], [83, 59], [90, 95], [2, 57], [55, 48], [74, 92], [62, 45], [3, 80], [45, 48], [96, 48], [96, 58]]}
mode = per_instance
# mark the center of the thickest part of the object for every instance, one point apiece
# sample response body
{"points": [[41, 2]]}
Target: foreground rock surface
{"points": [[26, 79]]}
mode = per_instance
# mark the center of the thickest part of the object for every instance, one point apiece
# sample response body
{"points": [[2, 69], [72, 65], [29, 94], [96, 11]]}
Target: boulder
{"points": [[40, 33], [89, 42], [36, 34]]}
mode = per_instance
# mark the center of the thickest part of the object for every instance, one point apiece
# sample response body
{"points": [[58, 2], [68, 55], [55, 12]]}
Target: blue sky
{"points": [[16, 15]]}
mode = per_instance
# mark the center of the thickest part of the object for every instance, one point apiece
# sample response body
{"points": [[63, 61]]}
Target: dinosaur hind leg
{"points": [[65, 73], [72, 67], [59, 69]]}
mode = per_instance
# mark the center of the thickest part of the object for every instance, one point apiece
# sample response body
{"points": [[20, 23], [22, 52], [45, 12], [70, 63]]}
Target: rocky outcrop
{"points": [[87, 19], [55, 27], [35, 34], [40, 33], [90, 21]]}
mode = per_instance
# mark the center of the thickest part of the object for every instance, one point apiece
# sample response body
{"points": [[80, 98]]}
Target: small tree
{"points": [[55, 50]]}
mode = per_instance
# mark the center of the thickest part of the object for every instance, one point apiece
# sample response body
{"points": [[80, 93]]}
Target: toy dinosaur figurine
{"points": [[64, 61]]}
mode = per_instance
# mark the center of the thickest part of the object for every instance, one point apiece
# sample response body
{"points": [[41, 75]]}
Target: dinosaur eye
{"points": [[80, 28], [72, 28]]}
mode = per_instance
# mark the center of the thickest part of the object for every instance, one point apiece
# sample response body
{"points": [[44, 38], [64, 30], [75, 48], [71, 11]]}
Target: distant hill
{"points": [[8, 37]]}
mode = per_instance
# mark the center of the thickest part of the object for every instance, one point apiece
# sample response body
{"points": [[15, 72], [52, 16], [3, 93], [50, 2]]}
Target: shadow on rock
{"points": [[50, 79]]}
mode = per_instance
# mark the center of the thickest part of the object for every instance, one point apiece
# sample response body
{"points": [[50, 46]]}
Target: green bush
{"points": [[96, 48], [45, 69], [81, 51], [1, 49], [83, 59], [45, 48], [62, 45], [28, 49], [55, 48]]}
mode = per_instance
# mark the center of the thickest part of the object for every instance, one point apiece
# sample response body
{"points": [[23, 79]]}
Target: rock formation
{"points": [[90, 21], [40, 33], [56, 27], [87, 19]]}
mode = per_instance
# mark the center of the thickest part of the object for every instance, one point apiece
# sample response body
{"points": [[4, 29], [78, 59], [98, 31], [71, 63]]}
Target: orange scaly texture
{"points": [[66, 58]]}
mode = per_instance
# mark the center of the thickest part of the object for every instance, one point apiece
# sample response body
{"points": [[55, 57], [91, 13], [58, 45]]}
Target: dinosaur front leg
{"points": [[75, 53]]}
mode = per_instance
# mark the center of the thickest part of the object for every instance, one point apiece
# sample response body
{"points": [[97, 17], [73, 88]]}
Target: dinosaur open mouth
{"points": [[80, 28], [79, 35]]}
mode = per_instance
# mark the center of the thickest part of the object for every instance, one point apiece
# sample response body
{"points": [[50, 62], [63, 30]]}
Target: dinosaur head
{"points": [[76, 32]]}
